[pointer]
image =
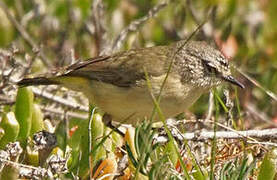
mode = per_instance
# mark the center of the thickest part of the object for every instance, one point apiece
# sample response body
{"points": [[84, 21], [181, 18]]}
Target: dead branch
{"points": [[59, 100], [256, 83], [25, 34], [262, 134], [99, 27], [134, 25]]}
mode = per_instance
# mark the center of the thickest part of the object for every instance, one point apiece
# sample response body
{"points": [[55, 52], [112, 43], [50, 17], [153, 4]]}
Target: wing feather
{"points": [[123, 69]]}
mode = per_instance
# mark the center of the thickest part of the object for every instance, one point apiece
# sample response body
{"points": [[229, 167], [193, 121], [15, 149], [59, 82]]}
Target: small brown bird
{"points": [[117, 83]]}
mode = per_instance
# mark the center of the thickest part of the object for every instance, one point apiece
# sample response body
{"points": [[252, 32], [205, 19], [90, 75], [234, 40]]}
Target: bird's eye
{"points": [[210, 68]]}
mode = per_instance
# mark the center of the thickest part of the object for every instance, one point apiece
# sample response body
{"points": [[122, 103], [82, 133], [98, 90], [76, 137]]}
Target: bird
{"points": [[118, 83]]}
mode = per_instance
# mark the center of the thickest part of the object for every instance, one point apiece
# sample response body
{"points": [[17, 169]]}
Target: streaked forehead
{"points": [[206, 52]]}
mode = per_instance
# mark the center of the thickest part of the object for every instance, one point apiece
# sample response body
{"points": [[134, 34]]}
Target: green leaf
{"points": [[61, 135], [225, 171], [171, 152], [24, 111], [11, 128], [267, 169], [37, 120], [156, 169], [131, 156], [97, 150]]}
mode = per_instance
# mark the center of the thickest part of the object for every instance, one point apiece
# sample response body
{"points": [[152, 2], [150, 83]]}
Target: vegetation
{"points": [[49, 132]]}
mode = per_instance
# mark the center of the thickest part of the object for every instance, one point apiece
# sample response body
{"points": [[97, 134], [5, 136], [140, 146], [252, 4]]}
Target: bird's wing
{"points": [[123, 69]]}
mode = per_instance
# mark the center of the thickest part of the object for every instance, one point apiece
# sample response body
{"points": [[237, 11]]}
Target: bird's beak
{"points": [[233, 81]]}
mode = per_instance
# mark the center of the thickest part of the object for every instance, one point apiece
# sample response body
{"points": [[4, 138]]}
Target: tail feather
{"points": [[36, 81]]}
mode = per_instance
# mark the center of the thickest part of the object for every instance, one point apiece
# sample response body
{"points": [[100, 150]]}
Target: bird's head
{"points": [[204, 66]]}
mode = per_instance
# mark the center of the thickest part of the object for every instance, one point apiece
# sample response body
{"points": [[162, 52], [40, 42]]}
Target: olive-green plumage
{"points": [[117, 83]]}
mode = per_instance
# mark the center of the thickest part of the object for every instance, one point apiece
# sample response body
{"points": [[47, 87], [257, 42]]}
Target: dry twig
{"points": [[263, 134], [117, 44], [268, 92], [59, 100], [25, 34], [99, 27]]}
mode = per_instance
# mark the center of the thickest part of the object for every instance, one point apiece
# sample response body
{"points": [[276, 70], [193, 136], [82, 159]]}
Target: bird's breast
{"points": [[136, 102]]}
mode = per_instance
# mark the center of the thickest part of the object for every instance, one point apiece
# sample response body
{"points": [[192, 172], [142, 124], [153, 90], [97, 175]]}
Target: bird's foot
{"points": [[107, 120]]}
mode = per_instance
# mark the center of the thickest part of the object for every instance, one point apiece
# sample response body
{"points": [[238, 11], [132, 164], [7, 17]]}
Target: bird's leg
{"points": [[107, 120]]}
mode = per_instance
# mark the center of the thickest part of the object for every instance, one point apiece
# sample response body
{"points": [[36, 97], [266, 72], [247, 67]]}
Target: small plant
{"points": [[236, 170]]}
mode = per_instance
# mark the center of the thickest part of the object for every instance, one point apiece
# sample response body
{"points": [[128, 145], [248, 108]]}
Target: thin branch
{"points": [[253, 110], [208, 27], [4, 100], [8, 66], [230, 134], [61, 112], [98, 22], [117, 44], [24, 34], [90, 140], [263, 134], [30, 61], [193, 12], [26, 170], [59, 100], [263, 143], [256, 83]]}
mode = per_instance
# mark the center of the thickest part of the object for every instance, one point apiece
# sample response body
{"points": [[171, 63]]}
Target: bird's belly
{"points": [[134, 104]]}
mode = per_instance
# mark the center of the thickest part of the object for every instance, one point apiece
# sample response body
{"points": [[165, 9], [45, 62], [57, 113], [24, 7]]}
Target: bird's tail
{"points": [[36, 81]]}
